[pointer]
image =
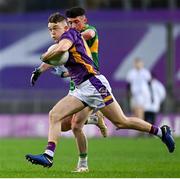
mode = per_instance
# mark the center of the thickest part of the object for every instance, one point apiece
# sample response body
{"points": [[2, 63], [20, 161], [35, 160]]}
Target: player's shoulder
{"points": [[71, 31], [70, 34]]}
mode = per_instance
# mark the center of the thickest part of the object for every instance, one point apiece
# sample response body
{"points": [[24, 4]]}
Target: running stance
{"points": [[92, 91], [77, 20]]}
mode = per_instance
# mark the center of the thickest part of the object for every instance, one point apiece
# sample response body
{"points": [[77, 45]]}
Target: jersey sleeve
{"points": [[92, 28], [68, 35]]}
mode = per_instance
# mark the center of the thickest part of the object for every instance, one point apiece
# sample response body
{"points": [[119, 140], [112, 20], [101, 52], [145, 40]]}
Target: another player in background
{"points": [[77, 19], [157, 94], [92, 91], [138, 78]]}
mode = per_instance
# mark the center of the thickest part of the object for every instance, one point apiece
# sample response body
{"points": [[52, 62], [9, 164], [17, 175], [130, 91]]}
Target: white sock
{"points": [[93, 119], [159, 133], [82, 162], [49, 152]]}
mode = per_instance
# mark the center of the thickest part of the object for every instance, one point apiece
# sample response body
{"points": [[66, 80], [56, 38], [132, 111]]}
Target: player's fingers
{"points": [[32, 82]]}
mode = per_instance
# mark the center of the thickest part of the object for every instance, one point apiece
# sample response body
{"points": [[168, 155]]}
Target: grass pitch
{"points": [[108, 158]]}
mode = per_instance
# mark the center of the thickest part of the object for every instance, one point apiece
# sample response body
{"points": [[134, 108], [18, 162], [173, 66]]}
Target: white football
{"points": [[59, 60]]}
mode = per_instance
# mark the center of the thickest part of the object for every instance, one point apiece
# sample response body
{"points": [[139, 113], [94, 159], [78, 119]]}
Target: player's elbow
{"points": [[61, 50], [91, 34], [88, 34]]}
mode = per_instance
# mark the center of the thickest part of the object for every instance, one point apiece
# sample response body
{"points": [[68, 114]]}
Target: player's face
{"points": [[138, 64], [56, 30], [77, 23]]}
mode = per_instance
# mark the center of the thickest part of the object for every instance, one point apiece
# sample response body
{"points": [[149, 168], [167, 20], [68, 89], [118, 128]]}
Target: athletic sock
{"points": [[50, 149], [159, 133], [82, 162], [83, 155], [156, 131], [92, 119]]}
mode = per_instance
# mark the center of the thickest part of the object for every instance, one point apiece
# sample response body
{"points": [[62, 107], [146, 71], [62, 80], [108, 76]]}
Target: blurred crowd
{"points": [[21, 6]]}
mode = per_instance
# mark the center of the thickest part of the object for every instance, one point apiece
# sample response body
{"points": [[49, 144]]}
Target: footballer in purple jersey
{"points": [[94, 91], [80, 64], [76, 121]]}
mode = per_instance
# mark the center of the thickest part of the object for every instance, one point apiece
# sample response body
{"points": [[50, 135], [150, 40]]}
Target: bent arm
{"points": [[43, 67], [62, 46], [88, 34]]}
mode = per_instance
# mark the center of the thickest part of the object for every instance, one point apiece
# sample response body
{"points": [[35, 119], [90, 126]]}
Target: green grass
{"points": [[108, 158]]}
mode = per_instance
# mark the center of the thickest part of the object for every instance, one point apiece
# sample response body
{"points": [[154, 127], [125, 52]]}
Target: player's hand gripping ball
{"points": [[58, 60]]}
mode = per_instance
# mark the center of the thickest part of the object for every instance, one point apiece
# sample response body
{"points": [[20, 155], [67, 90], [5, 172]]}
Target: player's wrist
{"points": [[38, 70], [63, 74]]}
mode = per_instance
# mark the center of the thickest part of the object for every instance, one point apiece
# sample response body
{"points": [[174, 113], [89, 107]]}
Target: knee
{"points": [[123, 124], [54, 116], [76, 128]]}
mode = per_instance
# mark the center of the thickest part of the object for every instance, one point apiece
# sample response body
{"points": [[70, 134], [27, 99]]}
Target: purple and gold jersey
{"points": [[80, 64]]}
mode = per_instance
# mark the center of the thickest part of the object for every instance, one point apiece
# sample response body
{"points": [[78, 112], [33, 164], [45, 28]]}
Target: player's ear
{"points": [[66, 27], [85, 20]]}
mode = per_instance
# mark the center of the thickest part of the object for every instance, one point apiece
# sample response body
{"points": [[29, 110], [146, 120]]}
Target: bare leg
{"points": [[67, 106], [78, 121], [138, 112], [98, 120], [66, 124], [95, 119], [77, 125], [115, 114]]}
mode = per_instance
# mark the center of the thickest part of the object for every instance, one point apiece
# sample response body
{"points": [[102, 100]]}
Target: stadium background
{"points": [[148, 29]]}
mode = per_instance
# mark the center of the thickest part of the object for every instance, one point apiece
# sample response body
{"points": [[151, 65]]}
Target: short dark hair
{"points": [[56, 17], [75, 12]]}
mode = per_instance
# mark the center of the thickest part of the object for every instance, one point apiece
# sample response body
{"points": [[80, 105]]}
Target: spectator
{"points": [[137, 79], [157, 94]]}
